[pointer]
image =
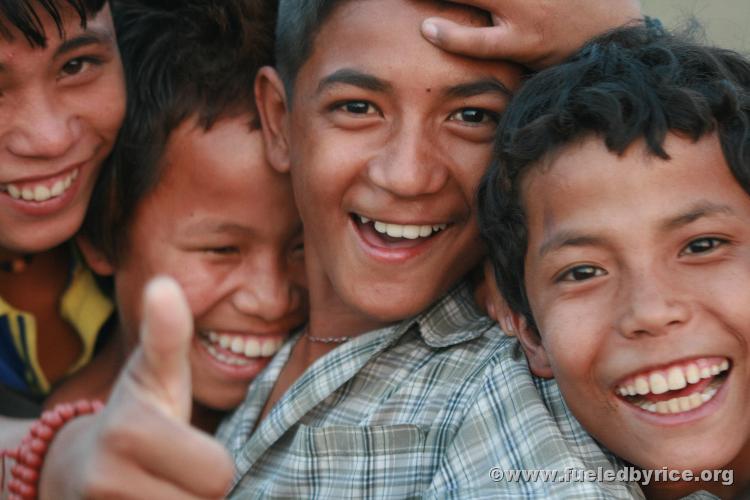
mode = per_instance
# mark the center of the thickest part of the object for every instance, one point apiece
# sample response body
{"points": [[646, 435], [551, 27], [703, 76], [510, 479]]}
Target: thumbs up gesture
{"points": [[141, 445]]}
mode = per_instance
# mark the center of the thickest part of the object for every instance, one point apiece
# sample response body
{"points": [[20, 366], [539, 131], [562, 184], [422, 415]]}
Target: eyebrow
{"points": [[697, 211], [91, 37], [483, 86], [356, 78]]}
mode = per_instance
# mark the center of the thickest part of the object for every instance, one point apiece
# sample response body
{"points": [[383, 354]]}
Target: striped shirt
{"points": [[425, 408]]}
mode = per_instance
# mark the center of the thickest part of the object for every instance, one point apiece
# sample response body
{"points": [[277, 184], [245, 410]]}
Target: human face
{"points": [[223, 224], [637, 273], [60, 110], [388, 137]]}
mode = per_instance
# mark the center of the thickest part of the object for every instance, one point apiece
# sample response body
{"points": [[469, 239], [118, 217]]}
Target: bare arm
{"points": [[536, 33]]}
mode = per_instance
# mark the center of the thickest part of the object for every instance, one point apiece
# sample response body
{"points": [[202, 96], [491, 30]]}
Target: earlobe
{"points": [[532, 346], [95, 258], [270, 96]]}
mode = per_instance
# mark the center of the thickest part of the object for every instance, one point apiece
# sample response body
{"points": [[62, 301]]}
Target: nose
{"points": [[41, 127], [410, 165], [652, 305], [266, 292]]}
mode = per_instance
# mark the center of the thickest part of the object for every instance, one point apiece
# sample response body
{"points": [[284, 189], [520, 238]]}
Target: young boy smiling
{"points": [[618, 215]]}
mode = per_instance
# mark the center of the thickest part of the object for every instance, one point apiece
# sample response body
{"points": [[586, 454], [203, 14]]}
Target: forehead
{"points": [[587, 185], [382, 37]]}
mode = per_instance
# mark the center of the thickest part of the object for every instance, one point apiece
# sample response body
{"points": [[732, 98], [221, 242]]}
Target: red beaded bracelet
{"points": [[29, 455]]}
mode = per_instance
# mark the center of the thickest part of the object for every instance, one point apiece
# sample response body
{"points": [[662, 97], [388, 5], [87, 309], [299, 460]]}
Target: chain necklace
{"points": [[326, 340]]}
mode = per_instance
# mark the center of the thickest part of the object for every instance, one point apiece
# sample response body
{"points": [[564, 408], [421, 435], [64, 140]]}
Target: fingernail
{"points": [[491, 310], [430, 30]]}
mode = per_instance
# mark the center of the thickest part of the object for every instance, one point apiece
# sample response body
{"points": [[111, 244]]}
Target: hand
{"points": [[536, 33], [141, 445]]}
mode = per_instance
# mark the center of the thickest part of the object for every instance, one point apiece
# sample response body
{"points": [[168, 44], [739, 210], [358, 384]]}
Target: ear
{"points": [[270, 96], [95, 258], [532, 346]]}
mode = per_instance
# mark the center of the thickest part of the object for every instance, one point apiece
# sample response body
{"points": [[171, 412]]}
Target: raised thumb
{"points": [[163, 367]]}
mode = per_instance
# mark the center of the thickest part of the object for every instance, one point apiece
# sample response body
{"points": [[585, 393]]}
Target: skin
{"points": [[223, 224], [635, 263], [530, 31], [60, 109]]}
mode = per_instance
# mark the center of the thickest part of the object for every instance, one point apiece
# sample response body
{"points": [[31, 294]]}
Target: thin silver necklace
{"points": [[326, 340]]}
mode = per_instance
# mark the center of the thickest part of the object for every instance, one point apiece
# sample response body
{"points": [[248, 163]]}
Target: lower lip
{"points": [[231, 372], [391, 255], [49, 207], [673, 419]]}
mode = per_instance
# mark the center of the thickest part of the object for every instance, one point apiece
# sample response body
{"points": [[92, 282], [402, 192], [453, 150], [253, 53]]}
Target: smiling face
{"points": [[60, 110], [223, 224], [388, 137], [637, 271]]}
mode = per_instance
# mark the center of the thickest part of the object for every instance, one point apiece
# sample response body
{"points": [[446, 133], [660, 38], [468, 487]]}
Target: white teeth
{"points": [[242, 345], [237, 346], [682, 404], [676, 378], [252, 348], [693, 374], [658, 383], [641, 385], [409, 231], [41, 192]]}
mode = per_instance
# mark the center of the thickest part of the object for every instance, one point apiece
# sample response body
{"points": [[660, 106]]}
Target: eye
{"points": [[357, 108], [77, 65], [475, 116], [581, 273], [703, 245], [225, 250]]}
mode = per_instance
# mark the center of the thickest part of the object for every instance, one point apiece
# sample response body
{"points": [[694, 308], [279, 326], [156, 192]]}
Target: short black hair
{"points": [[297, 25], [24, 15], [630, 84], [182, 59]]}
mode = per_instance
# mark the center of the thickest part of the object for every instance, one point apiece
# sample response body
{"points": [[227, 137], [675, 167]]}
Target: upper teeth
{"points": [[41, 192], [673, 379], [411, 232], [249, 346]]}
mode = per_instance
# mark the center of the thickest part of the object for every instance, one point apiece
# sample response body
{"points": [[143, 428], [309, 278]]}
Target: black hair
{"points": [[181, 59], [297, 25], [25, 16], [631, 84]]}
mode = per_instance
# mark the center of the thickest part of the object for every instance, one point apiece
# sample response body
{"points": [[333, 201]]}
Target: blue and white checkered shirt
{"points": [[425, 408]]}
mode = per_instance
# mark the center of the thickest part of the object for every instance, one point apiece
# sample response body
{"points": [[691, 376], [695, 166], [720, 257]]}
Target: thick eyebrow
{"points": [[91, 37], [356, 78], [208, 226], [483, 86], [697, 211]]}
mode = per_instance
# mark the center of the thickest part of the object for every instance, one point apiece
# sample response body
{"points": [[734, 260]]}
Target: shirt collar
{"points": [[453, 319]]}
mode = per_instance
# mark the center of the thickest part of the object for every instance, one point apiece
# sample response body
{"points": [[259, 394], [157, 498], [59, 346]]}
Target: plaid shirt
{"points": [[424, 408]]}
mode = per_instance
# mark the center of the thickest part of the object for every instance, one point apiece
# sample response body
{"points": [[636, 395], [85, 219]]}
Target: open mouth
{"points": [[388, 234], [239, 350], [41, 191], [679, 388]]}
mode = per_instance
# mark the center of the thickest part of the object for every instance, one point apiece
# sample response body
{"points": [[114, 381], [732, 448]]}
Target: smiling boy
{"points": [[618, 215], [62, 100]]}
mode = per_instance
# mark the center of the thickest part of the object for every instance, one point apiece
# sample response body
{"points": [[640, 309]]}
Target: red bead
{"points": [[53, 419], [38, 446]]}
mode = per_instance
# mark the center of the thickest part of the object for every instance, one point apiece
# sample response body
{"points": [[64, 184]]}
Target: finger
{"points": [[162, 364], [186, 466], [491, 42]]}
